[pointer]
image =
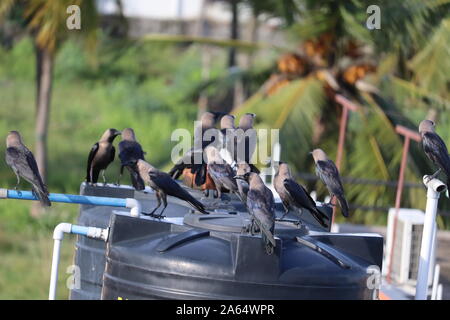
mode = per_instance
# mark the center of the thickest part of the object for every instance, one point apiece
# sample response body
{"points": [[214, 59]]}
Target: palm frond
{"points": [[5, 7], [431, 65]]}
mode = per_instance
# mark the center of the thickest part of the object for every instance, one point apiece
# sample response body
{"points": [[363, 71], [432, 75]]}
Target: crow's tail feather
{"points": [[198, 205], [42, 195], [320, 217], [136, 179], [184, 195], [344, 205]]}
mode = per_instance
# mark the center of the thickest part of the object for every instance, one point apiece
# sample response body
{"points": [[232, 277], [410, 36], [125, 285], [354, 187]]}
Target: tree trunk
{"points": [[234, 35], [203, 31], [44, 76], [238, 90]]}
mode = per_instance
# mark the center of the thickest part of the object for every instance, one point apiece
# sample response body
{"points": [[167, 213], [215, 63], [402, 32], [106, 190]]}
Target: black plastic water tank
{"points": [[90, 253], [211, 257]]}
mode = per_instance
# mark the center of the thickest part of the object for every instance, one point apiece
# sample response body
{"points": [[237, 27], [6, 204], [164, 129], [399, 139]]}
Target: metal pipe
{"points": [[58, 236], [398, 199], [346, 105], [342, 129], [401, 178], [434, 188], [408, 134]]}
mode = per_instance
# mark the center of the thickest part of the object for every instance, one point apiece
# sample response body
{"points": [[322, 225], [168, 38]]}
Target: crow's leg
{"points": [[104, 178], [157, 206], [120, 176], [286, 211], [434, 175], [331, 199], [206, 192], [33, 191], [252, 227], [164, 200], [18, 181]]}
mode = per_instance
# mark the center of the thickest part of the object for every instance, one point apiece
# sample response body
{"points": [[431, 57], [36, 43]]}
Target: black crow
{"points": [[101, 155], [294, 195], [329, 174], [164, 185], [22, 161]]}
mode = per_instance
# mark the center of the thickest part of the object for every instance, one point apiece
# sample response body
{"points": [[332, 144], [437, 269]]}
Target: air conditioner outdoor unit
{"points": [[405, 246]]}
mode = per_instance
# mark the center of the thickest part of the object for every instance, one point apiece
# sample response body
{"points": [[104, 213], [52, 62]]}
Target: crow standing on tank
{"points": [[101, 155], [22, 161], [294, 195], [220, 171], [435, 148], [164, 185], [261, 205], [193, 159], [242, 169], [130, 151], [329, 174]]}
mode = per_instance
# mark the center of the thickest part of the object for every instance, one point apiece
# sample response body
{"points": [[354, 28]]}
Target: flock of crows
{"points": [[219, 163]]}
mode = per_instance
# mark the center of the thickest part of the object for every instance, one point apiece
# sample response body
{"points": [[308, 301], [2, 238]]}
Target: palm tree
{"points": [[337, 54], [45, 21]]}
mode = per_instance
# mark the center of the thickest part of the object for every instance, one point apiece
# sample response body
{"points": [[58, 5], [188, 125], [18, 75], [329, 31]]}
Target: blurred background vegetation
{"points": [[103, 77]]}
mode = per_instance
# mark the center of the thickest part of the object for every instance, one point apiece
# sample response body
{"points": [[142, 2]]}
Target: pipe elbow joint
{"points": [[58, 233], [134, 206], [435, 184]]}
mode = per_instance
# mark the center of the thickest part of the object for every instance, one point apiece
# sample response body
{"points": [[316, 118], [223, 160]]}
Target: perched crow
{"points": [[293, 195], [22, 161], [329, 174], [242, 169], [130, 151], [193, 159], [261, 206], [246, 140], [101, 155], [221, 172], [164, 185], [435, 148], [229, 138]]}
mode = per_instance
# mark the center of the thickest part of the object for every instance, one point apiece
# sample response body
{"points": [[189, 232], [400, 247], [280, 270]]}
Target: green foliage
{"points": [[143, 86]]}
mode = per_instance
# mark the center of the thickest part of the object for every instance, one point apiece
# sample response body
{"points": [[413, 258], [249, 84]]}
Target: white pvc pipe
{"points": [[135, 207], [54, 272], [58, 236], [437, 270], [435, 187], [439, 292]]}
